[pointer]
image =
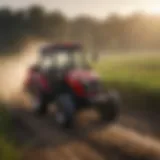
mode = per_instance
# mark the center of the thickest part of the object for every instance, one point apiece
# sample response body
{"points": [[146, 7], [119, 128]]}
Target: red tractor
{"points": [[63, 75]]}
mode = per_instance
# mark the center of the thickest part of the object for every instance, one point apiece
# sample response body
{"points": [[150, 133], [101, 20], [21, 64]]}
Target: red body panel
{"points": [[76, 86], [36, 79], [75, 79]]}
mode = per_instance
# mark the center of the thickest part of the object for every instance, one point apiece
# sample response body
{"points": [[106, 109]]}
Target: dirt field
{"points": [[128, 139]]}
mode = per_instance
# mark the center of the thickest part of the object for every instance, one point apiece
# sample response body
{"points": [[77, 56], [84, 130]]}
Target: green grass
{"points": [[140, 71], [7, 148]]}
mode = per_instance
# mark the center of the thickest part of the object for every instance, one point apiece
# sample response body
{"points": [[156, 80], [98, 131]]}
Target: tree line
{"points": [[137, 31]]}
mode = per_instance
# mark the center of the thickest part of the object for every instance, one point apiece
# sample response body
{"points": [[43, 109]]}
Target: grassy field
{"points": [[136, 76], [141, 71]]}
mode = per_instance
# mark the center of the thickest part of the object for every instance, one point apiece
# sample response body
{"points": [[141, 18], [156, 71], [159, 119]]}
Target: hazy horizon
{"points": [[97, 8]]}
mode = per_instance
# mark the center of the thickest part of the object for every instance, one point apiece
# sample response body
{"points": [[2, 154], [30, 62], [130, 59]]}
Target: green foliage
{"points": [[7, 151], [115, 32], [7, 148]]}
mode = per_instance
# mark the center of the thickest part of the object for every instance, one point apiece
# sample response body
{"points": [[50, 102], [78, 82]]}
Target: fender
{"points": [[34, 78], [76, 85]]}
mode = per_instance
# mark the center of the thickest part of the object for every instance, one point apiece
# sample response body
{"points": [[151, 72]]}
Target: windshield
{"points": [[64, 59]]}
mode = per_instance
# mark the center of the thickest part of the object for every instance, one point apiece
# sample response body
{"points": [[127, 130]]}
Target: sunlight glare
{"points": [[153, 10]]}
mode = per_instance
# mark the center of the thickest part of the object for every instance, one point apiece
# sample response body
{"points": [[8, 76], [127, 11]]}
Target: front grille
{"points": [[93, 86]]}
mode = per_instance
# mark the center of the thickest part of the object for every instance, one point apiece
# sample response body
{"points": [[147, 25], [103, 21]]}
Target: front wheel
{"points": [[109, 109], [65, 111]]}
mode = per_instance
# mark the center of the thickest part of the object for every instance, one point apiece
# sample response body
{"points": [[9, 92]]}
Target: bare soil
{"points": [[131, 138]]}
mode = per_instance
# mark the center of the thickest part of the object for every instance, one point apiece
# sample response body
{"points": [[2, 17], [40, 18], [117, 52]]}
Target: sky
{"points": [[98, 8]]}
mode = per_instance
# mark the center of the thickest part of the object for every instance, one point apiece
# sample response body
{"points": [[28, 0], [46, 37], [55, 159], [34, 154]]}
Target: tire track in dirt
{"points": [[48, 142], [112, 142], [42, 133], [127, 142]]}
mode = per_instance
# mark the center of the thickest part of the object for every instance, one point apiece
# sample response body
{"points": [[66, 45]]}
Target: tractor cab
{"points": [[62, 57]]}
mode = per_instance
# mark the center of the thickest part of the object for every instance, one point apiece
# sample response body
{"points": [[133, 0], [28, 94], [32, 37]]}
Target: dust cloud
{"points": [[13, 70]]}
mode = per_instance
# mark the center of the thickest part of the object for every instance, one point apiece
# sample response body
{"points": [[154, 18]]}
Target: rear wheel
{"points": [[39, 104], [35, 103]]}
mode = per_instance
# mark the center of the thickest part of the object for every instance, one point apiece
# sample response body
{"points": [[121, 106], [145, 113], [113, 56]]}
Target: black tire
{"points": [[110, 109], [40, 109], [66, 107]]}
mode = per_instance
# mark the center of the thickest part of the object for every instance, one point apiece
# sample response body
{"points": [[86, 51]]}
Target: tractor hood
{"points": [[84, 82], [83, 75]]}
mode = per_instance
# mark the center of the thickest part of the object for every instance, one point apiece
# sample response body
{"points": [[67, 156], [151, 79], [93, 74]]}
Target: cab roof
{"points": [[53, 48]]}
